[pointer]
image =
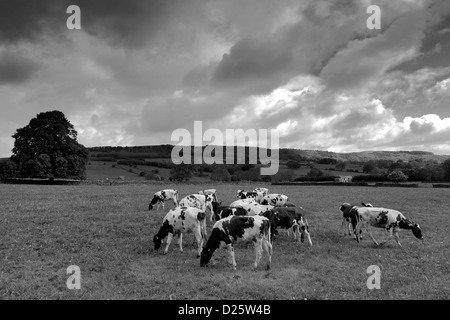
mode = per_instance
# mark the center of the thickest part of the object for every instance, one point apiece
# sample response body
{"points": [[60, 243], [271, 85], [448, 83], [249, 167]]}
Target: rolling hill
{"points": [[163, 153]]}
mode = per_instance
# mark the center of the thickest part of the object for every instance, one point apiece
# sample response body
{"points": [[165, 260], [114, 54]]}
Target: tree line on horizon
{"points": [[47, 148]]}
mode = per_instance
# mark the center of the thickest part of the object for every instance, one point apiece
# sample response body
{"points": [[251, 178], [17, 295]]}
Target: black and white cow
{"points": [[350, 217], [164, 195], [264, 191], [239, 202], [288, 204], [257, 196], [254, 208], [181, 220], [389, 219], [199, 201], [230, 229], [211, 192], [221, 212], [289, 218], [274, 199]]}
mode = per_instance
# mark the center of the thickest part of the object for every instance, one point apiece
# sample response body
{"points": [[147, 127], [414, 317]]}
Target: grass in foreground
{"points": [[107, 231]]}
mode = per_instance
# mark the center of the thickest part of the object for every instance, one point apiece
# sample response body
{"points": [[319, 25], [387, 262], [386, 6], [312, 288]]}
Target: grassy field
{"points": [[107, 231]]}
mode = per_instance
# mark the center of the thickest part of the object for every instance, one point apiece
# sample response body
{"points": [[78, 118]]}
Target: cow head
{"points": [[344, 206], [216, 205], [157, 242], [205, 256], [239, 193], [417, 232], [414, 227], [153, 202]]}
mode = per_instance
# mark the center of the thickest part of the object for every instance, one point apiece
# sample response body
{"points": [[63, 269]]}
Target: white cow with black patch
{"points": [[264, 191], [164, 195], [275, 199], [257, 196], [254, 208], [230, 229], [199, 201], [181, 220], [239, 202], [389, 219]]}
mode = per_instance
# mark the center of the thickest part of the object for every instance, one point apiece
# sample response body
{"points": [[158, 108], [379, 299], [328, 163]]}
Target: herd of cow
{"points": [[255, 216]]}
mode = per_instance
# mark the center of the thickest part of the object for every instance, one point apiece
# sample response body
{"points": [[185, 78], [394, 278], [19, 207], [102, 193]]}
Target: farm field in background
{"points": [[107, 231]]}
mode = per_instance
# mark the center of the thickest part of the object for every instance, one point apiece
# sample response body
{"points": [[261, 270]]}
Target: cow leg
{"points": [[308, 236], [357, 230], [258, 252], [343, 224], [180, 241], [397, 237], [349, 228], [289, 231], [169, 240], [199, 238], [373, 239], [297, 233], [267, 247], [388, 237], [231, 260], [203, 231]]}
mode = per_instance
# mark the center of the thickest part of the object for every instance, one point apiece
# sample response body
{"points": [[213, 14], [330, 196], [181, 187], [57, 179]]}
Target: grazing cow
{"points": [[164, 195], [221, 212], [254, 208], [288, 218], [390, 220], [211, 192], [350, 217], [199, 201], [289, 204], [257, 196], [274, 199], [232, 228], [239, 202], [178, 221], [264, 191]]}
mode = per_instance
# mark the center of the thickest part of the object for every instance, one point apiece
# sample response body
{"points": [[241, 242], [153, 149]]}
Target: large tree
{"points": [[47, 148], [397, 175]]}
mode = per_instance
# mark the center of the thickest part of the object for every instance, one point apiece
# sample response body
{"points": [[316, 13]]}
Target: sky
{"points": [[310, 69]]}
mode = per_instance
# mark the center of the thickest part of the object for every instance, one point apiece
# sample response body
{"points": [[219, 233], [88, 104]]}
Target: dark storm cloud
{"points": [[251, 58], [14, 68], [128, 23], [27, 19]]}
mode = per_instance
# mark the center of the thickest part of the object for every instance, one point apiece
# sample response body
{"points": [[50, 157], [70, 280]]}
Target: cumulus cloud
{"points": [[137, 70]]}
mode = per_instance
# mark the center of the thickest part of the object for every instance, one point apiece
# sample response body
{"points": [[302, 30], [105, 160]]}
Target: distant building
{"points": [[345, 179]]}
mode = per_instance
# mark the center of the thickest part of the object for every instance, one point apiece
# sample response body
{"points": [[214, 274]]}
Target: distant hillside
{"points": [[164, 152], [365, 156]]}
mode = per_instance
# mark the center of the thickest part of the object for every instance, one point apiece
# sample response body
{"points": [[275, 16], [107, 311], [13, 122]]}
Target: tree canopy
{"points": [[47, 148]]}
